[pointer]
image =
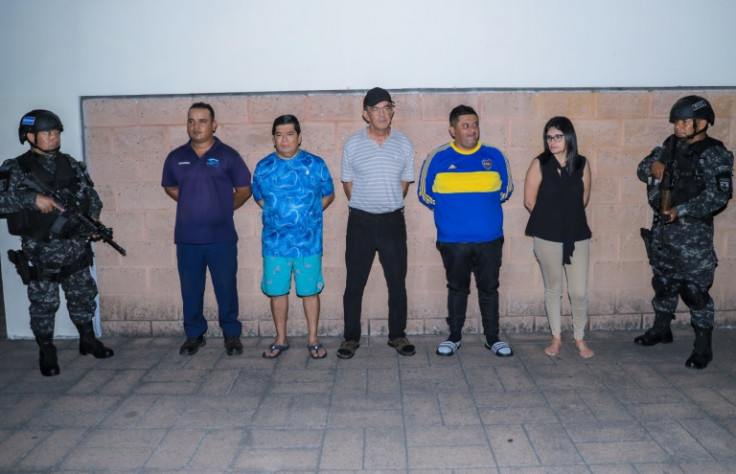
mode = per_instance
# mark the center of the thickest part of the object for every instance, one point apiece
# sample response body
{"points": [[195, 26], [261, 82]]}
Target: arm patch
{"points": [[724, 181]]}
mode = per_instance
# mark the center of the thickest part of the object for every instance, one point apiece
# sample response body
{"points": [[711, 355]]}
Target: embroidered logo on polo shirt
{"points": [[183, 163], [487, 164], [213, 162]]}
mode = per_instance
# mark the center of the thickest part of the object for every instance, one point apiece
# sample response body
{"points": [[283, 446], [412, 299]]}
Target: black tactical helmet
{"points": [[692, 107], [38, 121]]}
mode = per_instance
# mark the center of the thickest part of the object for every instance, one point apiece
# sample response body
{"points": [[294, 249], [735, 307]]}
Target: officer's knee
{"points": [[663, 286], [694, 297]]}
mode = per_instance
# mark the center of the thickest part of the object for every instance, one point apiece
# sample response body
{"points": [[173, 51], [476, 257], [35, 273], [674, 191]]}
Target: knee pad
{"points": [[694, 297], [663, 286]]}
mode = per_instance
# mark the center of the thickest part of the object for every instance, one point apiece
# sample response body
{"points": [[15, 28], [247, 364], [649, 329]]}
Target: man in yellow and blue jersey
{"points": [[465, 182]]}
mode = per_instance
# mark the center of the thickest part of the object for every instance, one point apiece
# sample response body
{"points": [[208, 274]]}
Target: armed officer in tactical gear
{"points": [[693, 172], [53, 250]]}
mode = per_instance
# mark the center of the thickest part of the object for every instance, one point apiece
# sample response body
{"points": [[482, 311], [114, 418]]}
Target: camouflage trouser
{"points": [[686, 256], [79, 287]]}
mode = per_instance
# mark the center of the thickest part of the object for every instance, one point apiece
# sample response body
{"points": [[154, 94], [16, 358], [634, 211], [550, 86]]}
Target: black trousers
{"points": [[367, 234], [482, 259]]}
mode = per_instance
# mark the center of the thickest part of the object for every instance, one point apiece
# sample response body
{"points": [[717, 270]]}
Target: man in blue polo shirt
{"points": [[208, 180]]}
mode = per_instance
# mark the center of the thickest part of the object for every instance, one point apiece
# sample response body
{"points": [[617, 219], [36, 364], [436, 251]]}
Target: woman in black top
{"points": [[556, 191]]}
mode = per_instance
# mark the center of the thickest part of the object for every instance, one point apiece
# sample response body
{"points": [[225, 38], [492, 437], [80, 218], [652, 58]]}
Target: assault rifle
{"points": [[659, 190], [88, 227], [665, 193]]}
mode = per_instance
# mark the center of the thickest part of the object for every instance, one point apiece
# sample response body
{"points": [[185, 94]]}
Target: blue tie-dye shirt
{"points": [[292, 192]]}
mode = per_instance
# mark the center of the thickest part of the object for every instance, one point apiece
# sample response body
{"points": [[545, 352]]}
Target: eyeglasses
{"points": [[386, 109], [555, 138]]}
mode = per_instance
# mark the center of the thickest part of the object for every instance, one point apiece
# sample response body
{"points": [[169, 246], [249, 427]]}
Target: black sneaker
{"points": [[192, 345], [233, 345]]}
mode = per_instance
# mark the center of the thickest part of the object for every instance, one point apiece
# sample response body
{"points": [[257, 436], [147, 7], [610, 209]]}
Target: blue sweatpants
{"points": [[222, 260]]}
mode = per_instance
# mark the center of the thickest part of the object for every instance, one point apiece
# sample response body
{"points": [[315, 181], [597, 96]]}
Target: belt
{"points": [[373, 214], [685, 220]]}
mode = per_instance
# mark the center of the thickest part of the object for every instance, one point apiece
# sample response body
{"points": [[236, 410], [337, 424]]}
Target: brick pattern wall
{"points": [[127, 140]]}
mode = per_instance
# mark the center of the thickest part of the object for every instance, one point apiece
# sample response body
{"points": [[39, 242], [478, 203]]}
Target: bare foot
{"points": [[585, 351], [554, 347]]}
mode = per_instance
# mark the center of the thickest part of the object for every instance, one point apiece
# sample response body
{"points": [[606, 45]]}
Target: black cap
{"points": [[376, 95]]}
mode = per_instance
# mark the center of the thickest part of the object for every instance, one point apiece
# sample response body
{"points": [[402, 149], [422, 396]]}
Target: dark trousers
{"points": [[222, 260], [79, 288], [367, 234], [80, 291], [483, 260]]}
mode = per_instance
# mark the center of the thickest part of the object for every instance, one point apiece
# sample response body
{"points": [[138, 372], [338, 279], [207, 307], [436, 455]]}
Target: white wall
{"points": [[56, 51]]}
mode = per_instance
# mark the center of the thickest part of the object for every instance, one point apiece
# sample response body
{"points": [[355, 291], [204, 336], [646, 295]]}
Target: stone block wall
{"points": [[127, 140]]}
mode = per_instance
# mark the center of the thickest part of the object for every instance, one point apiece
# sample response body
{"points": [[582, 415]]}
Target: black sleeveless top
{"points": [[559, 213]]}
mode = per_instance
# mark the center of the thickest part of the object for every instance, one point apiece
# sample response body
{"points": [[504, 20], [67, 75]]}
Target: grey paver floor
{"points": [[629, 409]]}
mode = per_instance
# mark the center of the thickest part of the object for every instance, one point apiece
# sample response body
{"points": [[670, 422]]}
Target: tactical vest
{"points": [[687, 167], [34, 223]]}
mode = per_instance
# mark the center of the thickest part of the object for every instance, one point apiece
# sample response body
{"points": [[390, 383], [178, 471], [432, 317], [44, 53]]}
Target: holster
{"points": [[30, 270], [18, 258], [647, 235]]}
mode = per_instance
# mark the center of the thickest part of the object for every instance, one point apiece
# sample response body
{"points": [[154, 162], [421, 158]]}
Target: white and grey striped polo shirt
{"points": [[377, 171]]}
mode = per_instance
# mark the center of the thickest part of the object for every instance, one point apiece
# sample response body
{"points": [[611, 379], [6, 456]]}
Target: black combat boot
{"points": [[89, 344], [659, 332], [702, 350], [47, 355]]}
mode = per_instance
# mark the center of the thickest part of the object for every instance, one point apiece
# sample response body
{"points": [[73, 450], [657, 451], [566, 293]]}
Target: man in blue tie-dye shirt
{"points": [[293, 187]]}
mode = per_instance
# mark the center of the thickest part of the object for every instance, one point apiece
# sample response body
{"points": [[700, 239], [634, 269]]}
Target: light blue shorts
{"points": [[307, 275]]}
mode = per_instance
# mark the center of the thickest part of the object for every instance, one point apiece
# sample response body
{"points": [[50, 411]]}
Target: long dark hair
{"points": [[563, 124]]}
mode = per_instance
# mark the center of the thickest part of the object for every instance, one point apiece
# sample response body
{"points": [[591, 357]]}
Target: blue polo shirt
{"points": [[204, 211]]}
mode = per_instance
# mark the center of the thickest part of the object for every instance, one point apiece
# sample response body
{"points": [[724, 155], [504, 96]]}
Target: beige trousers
{"points": [[549, 255]]}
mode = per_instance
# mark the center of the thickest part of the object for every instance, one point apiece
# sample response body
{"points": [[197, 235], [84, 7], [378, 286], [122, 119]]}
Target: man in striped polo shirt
{"points": [[377, 169]]}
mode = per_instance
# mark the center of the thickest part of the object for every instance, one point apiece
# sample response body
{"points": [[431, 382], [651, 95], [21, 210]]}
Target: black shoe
{"points": [[698, 361], [652, 337], [702, 350], [47, 356], [233, 345], [89, 344], [192, 345]]}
